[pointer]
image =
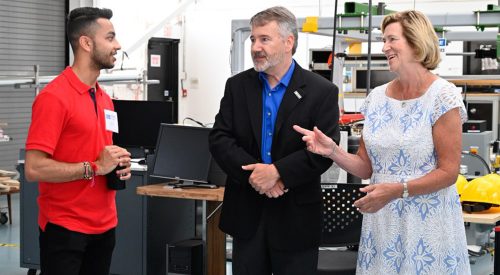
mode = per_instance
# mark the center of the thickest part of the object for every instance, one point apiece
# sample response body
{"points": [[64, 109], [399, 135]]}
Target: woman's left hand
{"points": [[377, 196]]}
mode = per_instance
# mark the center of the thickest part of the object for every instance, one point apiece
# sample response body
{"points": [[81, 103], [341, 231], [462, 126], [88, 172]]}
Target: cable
{"points": [[334, 39], [369, 55], [193, 120], [480, 158]]}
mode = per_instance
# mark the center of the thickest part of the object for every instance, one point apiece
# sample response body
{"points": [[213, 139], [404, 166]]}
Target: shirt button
{"points": [[270, 134], [268, 153], [269, 113], [269, 94]]}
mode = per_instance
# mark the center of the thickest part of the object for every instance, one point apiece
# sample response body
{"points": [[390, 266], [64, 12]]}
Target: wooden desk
{"points": [[475, 82], [490, 216], [162, 190], [215, 253]]}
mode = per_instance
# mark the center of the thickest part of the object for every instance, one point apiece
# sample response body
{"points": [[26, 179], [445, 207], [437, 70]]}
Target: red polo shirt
{"points": [[65, 125]]}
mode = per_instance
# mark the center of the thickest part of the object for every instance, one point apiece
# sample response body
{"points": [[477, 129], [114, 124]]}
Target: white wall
{"points": [[206, 38]]}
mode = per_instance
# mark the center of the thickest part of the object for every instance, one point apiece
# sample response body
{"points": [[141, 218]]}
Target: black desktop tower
{"points": [[185, 257]]}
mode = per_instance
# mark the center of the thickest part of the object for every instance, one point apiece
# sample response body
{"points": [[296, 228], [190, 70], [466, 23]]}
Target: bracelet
{"points": [[87, 171], [405, 194], [334, 149], [94, 168]]}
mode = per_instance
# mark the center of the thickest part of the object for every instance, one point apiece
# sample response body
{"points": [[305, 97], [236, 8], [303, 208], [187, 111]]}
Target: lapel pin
{"points": [[297, 95]]}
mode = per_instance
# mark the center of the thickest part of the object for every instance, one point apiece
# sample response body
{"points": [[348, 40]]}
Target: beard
{"points": [[269, 62], [101, 59]]}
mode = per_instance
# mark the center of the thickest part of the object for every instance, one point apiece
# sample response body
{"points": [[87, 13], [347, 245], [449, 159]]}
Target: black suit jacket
{"points": [[292, 221]]}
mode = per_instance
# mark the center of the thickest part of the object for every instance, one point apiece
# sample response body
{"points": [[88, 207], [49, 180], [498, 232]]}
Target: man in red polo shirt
{"points": [[69, 150]]}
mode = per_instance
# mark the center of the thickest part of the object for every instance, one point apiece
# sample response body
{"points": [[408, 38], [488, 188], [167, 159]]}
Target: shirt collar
{"points": [[285, 80], [76, 83]]}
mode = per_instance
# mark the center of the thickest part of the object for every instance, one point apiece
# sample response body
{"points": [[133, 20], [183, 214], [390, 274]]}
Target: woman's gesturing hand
{"points": [[316, 141]]}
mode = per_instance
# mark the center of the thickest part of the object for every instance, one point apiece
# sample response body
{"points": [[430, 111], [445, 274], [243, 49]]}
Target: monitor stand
{"points": [[191, 184]]}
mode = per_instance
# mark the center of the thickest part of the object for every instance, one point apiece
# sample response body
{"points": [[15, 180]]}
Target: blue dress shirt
{"points": [[271, 100]]}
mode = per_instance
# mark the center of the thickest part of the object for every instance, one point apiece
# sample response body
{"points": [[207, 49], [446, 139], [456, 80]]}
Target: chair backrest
{"points": [[341, 220]]}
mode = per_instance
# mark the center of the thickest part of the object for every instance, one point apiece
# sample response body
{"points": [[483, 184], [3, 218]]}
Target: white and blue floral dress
{"points": [[421, 234]]}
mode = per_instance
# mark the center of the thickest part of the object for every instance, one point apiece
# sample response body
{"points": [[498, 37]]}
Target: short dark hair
{"points": [[286, 21], [81, 21]]}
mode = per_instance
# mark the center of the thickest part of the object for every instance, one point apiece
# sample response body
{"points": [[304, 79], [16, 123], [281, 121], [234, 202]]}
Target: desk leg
{"points": [[216, 242], [9, 205], [496, 263]]}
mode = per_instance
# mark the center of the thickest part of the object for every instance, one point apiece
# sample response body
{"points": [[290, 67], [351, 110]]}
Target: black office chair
{"points": [[341, 229]]}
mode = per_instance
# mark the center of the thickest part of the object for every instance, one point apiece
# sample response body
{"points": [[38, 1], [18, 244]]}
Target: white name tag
{"points": [[111, 119]]}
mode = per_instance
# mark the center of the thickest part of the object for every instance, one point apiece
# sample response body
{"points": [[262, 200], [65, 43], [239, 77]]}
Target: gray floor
{"points": [[9, 235], [9, 253], [9, 241]]}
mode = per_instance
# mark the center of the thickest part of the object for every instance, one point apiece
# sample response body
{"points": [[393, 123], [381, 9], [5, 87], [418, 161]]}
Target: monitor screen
{"points": [[139, 121], [216, 175], [378, 76], [182, 153]]}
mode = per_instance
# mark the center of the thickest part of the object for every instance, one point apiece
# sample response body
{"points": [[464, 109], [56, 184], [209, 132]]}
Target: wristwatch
{"points": [[405, 189]]}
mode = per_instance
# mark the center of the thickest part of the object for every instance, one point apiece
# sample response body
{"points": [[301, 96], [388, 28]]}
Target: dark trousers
{"points": [[65, 252], [254, 256]]}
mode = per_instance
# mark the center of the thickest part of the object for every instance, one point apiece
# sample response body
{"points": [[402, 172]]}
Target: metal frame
{"points": [[38, 81], [241, 31]]}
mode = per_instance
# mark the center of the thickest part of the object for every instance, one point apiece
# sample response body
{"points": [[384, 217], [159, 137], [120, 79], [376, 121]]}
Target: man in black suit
{"points": [[272, 201]]}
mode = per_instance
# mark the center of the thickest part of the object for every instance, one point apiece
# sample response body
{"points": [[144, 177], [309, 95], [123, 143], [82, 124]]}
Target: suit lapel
{"points": [[291, 98], [253, 93]]}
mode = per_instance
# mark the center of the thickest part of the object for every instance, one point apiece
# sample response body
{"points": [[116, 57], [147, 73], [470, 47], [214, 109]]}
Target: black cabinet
{"points": [[163, 65], [30, 250], [129, 256]]}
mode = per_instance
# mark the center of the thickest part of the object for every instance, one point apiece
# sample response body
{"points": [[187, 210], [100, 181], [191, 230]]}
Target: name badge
{"points": [[111, 119]]}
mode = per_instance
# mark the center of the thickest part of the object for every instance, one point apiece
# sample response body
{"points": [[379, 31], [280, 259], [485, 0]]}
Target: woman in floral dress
{"points": [[410, 150]]}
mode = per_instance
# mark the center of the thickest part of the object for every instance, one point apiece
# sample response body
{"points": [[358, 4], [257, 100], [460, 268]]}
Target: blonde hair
{"points": [[418, 31]]}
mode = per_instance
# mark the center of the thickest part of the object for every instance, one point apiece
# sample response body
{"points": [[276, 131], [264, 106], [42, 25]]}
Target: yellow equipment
{"points": [[481, 193], [460, 184]]}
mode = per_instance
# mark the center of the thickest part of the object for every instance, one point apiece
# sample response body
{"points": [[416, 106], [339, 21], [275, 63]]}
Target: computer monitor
{"points": [[216, 175], [139, 121], [378, 76], [182, 153]]}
